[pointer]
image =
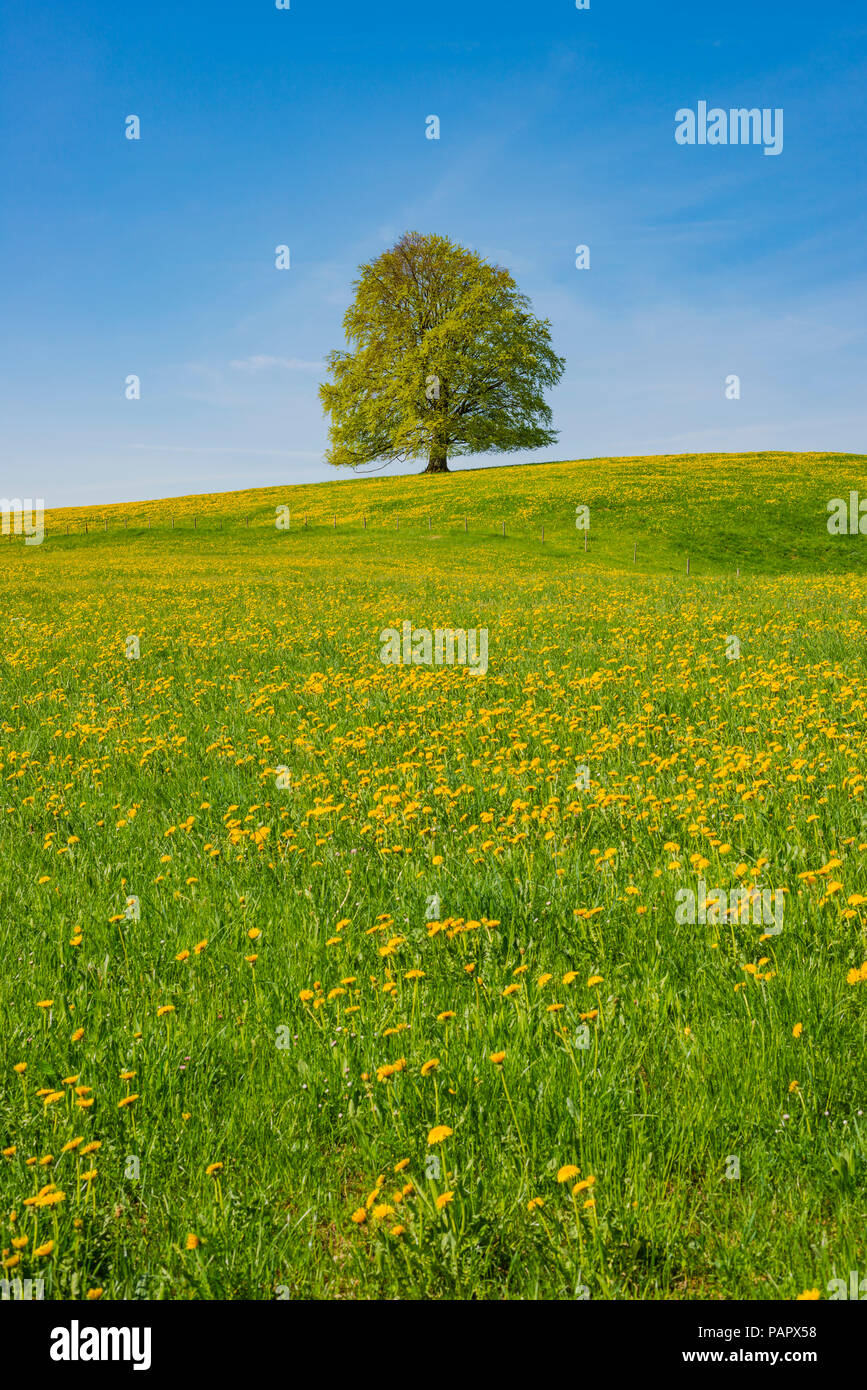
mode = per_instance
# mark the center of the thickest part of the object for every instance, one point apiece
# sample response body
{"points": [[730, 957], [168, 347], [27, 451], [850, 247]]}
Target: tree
{"points": [[446, 359]]}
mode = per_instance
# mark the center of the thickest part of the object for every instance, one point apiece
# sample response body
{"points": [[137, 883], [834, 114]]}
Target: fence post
{"points": [[504, 529], [465, 523], [364, 518]]}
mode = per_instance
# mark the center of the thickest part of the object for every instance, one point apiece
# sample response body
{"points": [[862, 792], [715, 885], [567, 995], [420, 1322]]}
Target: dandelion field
{"points": [[413, 1017]]}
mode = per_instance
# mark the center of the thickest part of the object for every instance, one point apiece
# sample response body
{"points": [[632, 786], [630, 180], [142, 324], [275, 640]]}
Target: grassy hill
{"points": [[763, 513], [325, 977]]}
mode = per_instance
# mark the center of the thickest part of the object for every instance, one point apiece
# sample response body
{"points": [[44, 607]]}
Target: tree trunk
{"points": [[438, 462]]}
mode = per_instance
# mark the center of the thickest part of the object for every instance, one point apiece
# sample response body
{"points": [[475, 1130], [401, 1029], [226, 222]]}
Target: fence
{"points": [[88, 523]]}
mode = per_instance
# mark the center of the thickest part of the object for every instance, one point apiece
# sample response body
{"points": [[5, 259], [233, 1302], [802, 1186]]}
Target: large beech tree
{"points": [[445, 358]]}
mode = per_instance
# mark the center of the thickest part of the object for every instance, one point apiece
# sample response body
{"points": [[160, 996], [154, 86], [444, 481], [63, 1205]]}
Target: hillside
{"points": [[539, 977], [762, 513]]}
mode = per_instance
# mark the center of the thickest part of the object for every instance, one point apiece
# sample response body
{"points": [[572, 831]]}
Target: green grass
{"points": [[259, 650]]}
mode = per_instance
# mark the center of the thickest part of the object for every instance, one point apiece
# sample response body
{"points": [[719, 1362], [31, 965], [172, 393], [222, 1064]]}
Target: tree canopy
{"points": [[445, 358]]}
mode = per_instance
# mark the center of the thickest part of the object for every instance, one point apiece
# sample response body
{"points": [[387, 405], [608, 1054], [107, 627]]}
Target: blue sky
{"points": [[307, 127]]}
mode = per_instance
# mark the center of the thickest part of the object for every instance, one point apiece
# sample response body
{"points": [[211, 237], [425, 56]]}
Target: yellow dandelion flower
{"points": [[50, 1199]]}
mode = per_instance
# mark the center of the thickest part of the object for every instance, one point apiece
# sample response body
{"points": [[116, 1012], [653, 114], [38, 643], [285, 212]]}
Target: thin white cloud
{"points": [[214, 449], [262, 363]]}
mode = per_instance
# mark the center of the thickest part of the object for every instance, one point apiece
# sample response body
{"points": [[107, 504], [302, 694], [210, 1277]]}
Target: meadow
{"points": [[328, 979]]}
